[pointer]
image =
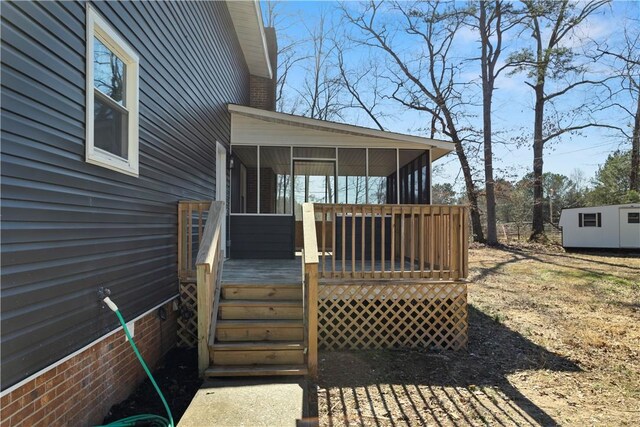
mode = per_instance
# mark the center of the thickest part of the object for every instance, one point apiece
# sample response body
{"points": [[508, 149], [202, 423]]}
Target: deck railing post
{"points": [[204, 311], [181, 236], [465, 242], [311, 281], [310, 275], [455, 243]]}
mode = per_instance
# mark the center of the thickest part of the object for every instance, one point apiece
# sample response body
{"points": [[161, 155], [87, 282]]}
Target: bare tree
{"points": [[321, 90], [491, 19], [319, 94], [625, 63], [363, 84], [425, 81], [552, 60], [288, 59], [289, 53]]}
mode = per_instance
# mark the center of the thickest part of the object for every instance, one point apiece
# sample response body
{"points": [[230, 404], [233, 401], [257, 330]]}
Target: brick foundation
{"points": [[81, 390]]}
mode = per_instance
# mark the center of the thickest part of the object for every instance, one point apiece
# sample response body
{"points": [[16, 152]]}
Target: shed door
{"points": [[630, 228]]}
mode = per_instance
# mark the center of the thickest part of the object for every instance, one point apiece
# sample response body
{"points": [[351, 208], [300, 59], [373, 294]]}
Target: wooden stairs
{"points": [[259, 331]]}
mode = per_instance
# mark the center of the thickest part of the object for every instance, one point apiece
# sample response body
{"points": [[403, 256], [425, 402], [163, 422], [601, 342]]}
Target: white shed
{"points": [[613, 226]]}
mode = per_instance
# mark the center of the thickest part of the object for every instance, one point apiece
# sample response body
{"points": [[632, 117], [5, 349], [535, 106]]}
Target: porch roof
{"points": [[252, 126]]}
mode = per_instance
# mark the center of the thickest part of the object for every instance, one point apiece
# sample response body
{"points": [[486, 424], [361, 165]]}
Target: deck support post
{"points": [[310, 275], [311, 286], [203, 277]]}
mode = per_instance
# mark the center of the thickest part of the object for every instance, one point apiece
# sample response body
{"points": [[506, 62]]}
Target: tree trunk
{"points": [[476, 224], [472, 194], [538, 151], [487, 94], [492, 235], [634, 178]]}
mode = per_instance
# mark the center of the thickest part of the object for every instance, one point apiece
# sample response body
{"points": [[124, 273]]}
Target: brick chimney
{"points": [[262, 91]]}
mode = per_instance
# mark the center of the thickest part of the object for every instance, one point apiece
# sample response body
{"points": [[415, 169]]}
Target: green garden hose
{"points": [[144, 419]]}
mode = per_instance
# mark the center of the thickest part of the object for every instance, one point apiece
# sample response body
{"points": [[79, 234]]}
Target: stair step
{"points": [[259, 309], [259, 330], [258, 284], [273, 323], [257, 353], [253, 370], [258, 345], [256, 291]]}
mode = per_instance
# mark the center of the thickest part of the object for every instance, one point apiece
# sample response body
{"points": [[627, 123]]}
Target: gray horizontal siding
{"points": [[69, 227]]}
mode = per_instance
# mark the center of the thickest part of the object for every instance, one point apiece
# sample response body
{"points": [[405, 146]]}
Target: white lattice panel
{"points": [[188, 316]]}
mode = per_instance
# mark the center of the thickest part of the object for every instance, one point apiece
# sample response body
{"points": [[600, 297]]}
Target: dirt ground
{"points": [[554, 339], [178, 380]]}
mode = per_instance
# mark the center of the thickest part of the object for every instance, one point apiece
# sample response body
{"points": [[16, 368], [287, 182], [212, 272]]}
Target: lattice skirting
{"points": [[188, 317], [371, 316]]}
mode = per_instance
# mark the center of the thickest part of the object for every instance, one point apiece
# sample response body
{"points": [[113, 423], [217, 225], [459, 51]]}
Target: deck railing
{"points": [[200, 228], [349, 251], [391, 241], [192, 216], [310, 289]]}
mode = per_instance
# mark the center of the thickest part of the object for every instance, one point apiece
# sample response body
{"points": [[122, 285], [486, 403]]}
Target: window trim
{"points": [[98, 27], [597, 218]]}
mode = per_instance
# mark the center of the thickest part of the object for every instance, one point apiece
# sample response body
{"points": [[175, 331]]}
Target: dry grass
{"points": [[554, 339]]}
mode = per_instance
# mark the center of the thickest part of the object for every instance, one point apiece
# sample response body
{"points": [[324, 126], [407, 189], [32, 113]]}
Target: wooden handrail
{"points": [[310, 275], [208, 274], [398, 241], [210, 237]]}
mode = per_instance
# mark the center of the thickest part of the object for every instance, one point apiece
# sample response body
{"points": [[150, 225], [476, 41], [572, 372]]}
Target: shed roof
{"points": [[251, 126], [624, 205]]}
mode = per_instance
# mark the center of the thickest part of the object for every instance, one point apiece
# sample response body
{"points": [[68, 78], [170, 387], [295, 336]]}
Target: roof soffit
{"points": [[247, 21]]}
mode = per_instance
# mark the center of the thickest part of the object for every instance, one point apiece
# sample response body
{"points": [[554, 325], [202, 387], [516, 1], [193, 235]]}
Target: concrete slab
{"points": [[248, 402]]}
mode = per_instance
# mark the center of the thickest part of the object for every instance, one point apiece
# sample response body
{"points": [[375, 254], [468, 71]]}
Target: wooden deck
{"points": [[258, 317], [283, 271], [262, 271]]}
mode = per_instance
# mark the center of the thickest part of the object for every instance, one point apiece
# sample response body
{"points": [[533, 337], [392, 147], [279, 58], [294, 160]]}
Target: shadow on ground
{"points": [[426, 388]]}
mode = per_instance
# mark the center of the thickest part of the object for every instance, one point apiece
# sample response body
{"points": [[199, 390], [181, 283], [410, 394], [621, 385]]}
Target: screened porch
{"points": [[372, 191]]}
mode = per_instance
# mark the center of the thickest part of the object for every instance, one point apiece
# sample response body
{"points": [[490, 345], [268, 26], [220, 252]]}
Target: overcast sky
{"points": [[513, 100]]}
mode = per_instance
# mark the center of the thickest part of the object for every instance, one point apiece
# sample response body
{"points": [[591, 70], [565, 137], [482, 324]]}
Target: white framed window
{"points": [[590, 219], [112, 98]]}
